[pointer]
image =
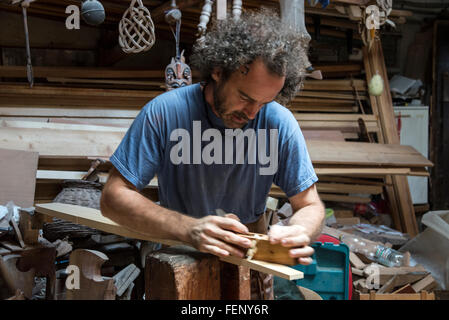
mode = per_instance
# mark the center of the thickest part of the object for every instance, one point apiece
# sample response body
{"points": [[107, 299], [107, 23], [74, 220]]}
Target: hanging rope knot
{"points": [[136, 29]]}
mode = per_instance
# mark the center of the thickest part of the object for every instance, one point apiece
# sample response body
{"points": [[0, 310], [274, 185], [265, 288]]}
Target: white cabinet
{"points": [[415, 132]]}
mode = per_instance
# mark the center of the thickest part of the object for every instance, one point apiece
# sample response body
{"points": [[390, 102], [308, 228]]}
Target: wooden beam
{"points": [[399, 195], [94, 219]]}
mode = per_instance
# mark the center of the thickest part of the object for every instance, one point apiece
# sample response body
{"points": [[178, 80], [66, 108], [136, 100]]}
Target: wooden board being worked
{"points": [[263, 250], [94, 219]]}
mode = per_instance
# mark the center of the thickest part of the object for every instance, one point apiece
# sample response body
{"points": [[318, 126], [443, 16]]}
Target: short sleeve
{"points": [[295, 171], [138, 156]]}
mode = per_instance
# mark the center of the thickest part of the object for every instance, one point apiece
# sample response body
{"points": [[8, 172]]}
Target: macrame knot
{"points": [[136, 29]]}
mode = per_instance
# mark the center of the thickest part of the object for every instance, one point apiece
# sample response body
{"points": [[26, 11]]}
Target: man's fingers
{"points": [[305, 261], [298, 241], [215, 250], [277, 233], [301, 252], [228, 237], [231, 224], [229, 249]]}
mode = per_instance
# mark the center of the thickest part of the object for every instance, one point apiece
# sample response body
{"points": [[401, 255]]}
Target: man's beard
{"points": [[221, 109]]}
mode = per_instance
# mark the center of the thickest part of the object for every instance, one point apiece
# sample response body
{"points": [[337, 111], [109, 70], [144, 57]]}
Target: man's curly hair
{"points": [[257, 34]]}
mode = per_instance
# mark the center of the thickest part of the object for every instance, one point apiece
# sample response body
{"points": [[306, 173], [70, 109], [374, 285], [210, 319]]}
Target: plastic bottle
{"points": [[373, 251]]}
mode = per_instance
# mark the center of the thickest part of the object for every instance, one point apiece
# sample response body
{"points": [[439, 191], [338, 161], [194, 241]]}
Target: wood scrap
{"points": [[62, 247], [92, 285], [405, 289], [348, 221], [424, 295], [13, 247], [42, 262], [17, 233], [14, 278], [428, 284], [125, 278], [18, 172], [27, 227], [357, 272], [355, 261]]}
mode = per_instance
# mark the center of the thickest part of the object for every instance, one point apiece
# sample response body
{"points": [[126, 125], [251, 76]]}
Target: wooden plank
{"points": [[36, 91], [428, 283], [80, 72], [405, 289], [405, 296], [329, 95], [365, 172], [46, 112], [356, 262], [374, 62], [94, 219], [18, 176], [53, 142], [351, 180], [58, 126], [334, 117], [340, 198], [334, 85], [360, 153], [323, 108], [344, 126], [266, 267], [348, 188], [329, 135]]}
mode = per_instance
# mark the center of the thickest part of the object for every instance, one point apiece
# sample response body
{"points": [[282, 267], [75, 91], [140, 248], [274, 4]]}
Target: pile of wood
{"points": [[25, 255], [373, 281]]}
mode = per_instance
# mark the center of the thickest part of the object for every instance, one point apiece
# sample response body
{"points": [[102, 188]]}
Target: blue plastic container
{"points": [[329, 272]]}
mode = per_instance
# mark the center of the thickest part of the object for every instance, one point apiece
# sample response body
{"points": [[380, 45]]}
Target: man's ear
{"points": [[216, 74]]}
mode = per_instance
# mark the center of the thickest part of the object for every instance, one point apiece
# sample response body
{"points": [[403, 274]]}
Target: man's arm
{"points": [[305, 225], [122, 203]]}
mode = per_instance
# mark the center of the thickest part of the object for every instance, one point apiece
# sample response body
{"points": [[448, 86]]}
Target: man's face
{"points": [[238, 99]]}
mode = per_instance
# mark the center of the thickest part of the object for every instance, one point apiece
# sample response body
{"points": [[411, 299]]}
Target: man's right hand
{"points": [[218, 235]]}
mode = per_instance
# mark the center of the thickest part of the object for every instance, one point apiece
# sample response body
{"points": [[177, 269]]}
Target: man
{"points": [[193, 138]]}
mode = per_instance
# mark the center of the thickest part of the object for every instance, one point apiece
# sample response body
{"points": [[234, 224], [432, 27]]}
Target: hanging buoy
{"points": [[376, 85], [92, 12]]}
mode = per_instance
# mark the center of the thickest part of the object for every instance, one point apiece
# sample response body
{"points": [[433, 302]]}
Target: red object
{"points": [[326, 238]]}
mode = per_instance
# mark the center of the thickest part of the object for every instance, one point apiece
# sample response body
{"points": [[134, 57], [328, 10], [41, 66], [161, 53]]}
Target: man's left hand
{"points": [[293, 236]]}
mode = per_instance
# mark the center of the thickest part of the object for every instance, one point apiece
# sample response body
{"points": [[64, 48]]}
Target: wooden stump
{"points": [[235, 282], [182, 273]]}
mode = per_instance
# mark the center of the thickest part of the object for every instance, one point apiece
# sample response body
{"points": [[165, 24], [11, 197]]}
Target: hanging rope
{"points": [[136, 29]]}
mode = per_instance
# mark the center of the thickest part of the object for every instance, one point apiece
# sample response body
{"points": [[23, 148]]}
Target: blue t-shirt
{"points": [[202, 166]]}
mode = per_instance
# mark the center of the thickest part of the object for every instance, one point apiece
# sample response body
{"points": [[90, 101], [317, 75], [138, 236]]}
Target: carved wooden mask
{"points": [[177, 73]]}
